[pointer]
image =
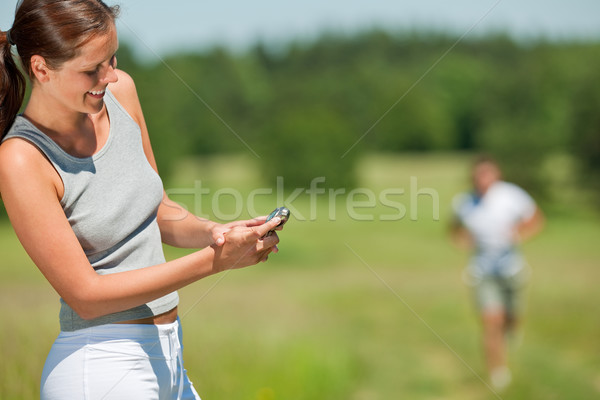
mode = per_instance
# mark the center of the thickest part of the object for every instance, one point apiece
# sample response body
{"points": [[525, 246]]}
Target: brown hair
{"points": [[53, 29]]}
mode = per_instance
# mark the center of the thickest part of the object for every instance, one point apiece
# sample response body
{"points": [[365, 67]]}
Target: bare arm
{"points": [[180, 228]]}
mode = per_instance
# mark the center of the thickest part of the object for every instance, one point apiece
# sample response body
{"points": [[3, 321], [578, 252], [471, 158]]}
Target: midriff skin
{"points": [[160, 319]]}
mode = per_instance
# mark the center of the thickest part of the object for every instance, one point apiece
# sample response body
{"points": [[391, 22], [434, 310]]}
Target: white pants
{"points": [[117, 362]]}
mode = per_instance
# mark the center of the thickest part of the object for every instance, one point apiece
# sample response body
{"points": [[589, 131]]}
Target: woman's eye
{"points": [[111, 63]]}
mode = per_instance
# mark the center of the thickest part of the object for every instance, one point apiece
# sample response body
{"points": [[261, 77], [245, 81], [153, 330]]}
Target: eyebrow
{"points": [[95, 65]]}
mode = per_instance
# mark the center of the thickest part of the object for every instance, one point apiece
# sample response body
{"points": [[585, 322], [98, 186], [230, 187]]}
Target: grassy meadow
{"points": [[356, 305]]}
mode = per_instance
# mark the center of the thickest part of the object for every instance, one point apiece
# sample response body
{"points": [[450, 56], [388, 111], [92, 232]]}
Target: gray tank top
{"points": [[111, 201]]}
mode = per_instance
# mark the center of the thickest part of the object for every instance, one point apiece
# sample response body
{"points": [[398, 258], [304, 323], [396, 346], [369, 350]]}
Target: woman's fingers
{"points": [[265, 228], [247, 246]]}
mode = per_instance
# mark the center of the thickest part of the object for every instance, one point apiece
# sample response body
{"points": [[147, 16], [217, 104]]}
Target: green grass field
{"points": [[350, 309]]}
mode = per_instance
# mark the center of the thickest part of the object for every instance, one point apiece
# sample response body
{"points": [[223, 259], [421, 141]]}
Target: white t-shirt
{"points": [[492, 219]]}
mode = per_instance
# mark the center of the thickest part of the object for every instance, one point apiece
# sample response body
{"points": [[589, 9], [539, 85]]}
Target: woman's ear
{"points": [[39, 68]]}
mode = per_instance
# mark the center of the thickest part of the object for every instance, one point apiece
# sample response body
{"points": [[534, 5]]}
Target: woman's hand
{"points": [[218, 231], [244, 243]]}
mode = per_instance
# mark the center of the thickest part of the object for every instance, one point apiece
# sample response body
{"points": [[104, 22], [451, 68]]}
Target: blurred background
{"points": [[368, 96]]}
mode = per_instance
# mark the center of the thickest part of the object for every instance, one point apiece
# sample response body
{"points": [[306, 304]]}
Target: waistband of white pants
{"points": [[125, 330]]}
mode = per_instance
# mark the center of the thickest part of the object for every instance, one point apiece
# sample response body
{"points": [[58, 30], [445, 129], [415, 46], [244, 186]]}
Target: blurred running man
{"points": [[492, 220]]}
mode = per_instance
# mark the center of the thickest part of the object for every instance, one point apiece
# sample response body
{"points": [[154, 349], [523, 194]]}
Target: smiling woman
{"points": [[80, 185], [79, 84]]}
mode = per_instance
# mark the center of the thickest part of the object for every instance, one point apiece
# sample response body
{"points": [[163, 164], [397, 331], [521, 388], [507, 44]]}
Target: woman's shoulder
{"points": [[124, 85], [18, 148], [16, 152], [124, 88], [22, 161], [126, 94]]}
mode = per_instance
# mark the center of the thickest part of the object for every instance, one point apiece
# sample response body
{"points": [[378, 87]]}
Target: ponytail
{"points": [[12, 85]]}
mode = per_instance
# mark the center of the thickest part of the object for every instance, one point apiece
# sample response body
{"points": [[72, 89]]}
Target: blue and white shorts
{"points": [[498, 283]]}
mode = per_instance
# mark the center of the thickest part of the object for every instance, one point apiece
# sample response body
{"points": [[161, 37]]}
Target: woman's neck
{"points": [[78, 134]]}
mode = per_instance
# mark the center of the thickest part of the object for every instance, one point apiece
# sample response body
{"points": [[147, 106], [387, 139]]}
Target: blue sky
{"points": [[154, 26]]}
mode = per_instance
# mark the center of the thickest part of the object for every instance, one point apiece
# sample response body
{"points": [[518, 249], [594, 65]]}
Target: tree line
{"points": [[310, 109]]}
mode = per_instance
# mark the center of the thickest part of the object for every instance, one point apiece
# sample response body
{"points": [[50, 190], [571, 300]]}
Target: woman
{"points": [[494, 219], [80, 186]]}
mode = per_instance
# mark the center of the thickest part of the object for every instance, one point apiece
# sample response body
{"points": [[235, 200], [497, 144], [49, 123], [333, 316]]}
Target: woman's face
{"points": [[80, 83]]}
